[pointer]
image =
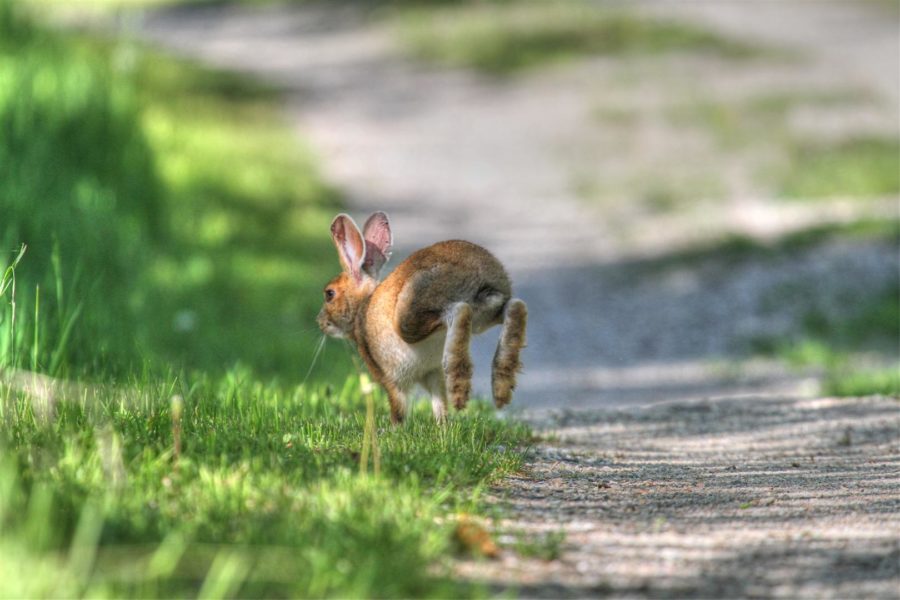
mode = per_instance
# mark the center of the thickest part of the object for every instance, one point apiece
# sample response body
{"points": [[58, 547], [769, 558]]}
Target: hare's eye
{"points": [[329, 295]]}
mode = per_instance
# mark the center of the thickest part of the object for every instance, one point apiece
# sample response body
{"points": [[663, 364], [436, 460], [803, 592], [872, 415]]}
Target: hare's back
{"points": [[435, 278]]}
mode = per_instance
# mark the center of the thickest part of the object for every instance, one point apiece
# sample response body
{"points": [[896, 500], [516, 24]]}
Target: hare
{"points": [[415, 326]]}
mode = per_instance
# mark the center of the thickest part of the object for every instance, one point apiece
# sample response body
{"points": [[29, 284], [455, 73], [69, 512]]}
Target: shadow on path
{"points": [[762, 497]]}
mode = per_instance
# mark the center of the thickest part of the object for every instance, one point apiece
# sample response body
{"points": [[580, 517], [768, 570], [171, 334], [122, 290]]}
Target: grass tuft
{"points": [[885, 382], [856, 349], [508, 37], [855, 167]]}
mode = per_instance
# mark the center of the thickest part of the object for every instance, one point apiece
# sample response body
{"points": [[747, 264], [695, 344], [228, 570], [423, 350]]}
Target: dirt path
{"points": [[751, 497], [451, 154]]}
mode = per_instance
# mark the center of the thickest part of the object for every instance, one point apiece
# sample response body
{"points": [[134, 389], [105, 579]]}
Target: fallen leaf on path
{"points": [[473, 538]]}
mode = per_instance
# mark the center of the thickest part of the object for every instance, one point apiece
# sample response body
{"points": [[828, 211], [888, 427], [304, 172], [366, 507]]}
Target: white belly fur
{"points": [[409, 364]]}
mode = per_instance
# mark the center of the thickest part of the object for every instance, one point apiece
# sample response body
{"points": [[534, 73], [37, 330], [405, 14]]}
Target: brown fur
{"points": [[456, 362], [428, 282], [453, 286], [506, 359]]}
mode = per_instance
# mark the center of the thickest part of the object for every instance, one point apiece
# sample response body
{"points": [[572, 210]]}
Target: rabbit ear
{"points": [[350, 245], [378, 238]]}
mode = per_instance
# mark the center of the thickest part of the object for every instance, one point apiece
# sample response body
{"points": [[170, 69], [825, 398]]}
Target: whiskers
{"points": [[319, 346], [306, 329]]}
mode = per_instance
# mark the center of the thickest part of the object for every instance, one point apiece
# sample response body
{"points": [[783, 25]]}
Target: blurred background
{"points": [[694, 198]]}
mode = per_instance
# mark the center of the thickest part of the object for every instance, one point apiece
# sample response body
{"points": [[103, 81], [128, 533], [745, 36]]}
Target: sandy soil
{"points": [[733, 498]]}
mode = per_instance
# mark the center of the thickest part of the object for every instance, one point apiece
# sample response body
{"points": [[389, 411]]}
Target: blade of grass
{"points": [[59, 352], [228, 571], [35, 346]]}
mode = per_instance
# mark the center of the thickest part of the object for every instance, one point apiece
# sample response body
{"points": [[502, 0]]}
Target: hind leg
{"points": [[457, 361], [506, 358]]}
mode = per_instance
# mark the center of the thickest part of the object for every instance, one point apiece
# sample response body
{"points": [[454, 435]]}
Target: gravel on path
{"points": [[765, 497]]}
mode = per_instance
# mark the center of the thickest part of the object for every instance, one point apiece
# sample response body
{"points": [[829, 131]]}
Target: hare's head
{"points": [[362, 256]]}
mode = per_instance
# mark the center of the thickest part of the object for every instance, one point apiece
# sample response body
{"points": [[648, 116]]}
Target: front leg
{"points": [[436, 386], [397, 399], [457, 361]]}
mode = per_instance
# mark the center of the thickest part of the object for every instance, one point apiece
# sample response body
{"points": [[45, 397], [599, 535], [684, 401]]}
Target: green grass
{"points": [[734, 248], [78, 185], [241, 278], [845, 374], [502, 38], [864, 382], [170, 216], [866, 166], [547, 546], [852, 348], [177, 242], [741, 122], [264, 497]]}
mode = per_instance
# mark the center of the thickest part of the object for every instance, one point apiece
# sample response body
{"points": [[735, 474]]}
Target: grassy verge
{"points": [[240, 279], [236, 488], [173, 230], [864, 382], [857, 349], [502, 38], [866, 166], [79, 186], [170, 216]]}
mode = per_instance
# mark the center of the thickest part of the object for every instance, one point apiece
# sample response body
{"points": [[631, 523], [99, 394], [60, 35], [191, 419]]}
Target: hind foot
{"points": [[506, 359], [457, 361]]}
